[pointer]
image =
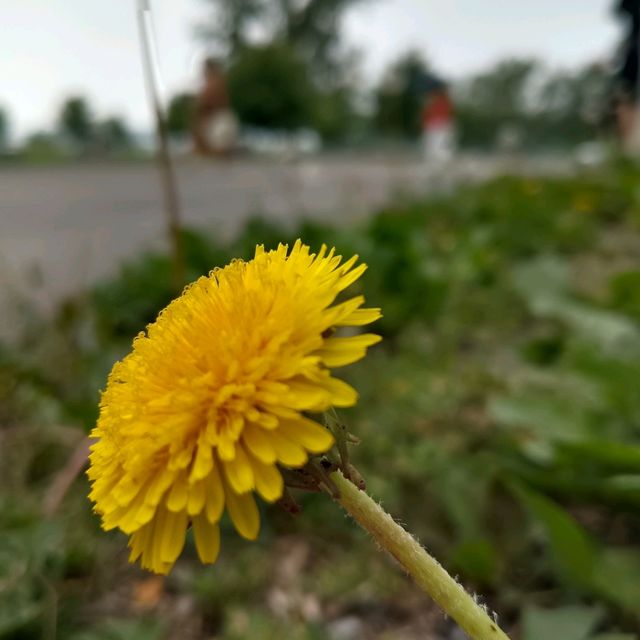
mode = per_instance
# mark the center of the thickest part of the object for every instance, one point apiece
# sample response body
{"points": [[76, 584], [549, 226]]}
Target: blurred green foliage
{"points": [[78, 134], [311, 28], [42, 146], [5, 129], [400, 98], [500, 420], [513, 104], [76, 121], [180, 113], [542, 107], [299, 75], [269, 86], [112, 136]]}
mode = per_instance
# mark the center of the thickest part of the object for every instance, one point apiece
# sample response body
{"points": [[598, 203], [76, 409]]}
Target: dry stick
{"points": [[425, 570], [65, 478], [167, 172]]}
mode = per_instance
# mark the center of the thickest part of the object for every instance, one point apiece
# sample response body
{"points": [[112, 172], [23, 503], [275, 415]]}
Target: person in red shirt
{"points": [[438, 125]]}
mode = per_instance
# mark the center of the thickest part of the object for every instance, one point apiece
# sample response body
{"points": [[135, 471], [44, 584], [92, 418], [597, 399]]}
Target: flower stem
{"points": [[425, 570]]}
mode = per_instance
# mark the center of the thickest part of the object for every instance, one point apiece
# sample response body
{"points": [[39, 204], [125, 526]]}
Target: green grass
{"points": [[500, 420]]}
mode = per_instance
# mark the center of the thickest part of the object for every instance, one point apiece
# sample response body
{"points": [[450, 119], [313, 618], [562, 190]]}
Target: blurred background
{"points": [[481, 157]]}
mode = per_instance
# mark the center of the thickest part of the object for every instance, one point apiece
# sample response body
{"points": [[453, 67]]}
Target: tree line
{"points": [[298, 73], [270, 89], [77, 132]]}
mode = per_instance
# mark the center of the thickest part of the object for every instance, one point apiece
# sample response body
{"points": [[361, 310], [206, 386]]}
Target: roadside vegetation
{"points": [[499, 419]]}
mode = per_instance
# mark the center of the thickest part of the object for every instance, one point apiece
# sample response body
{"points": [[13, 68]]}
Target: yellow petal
{"points": [[152, 553], [226, 448], [159, 486], [127, 517], [258, 443], [195, 501], [269, 483], [287, 451], [172, 535], [177, 498], [214, 496], [280, 411], [145, 513], [139, 541], [207, 537], [360, 317], [267, 420], [337, 352], [349, 264], [126, 490], [243, 513], [342, 394], [181, 459], [239, 472], [202, 463], [307, 397], [351, 276], [334, 315], [307, 433], [112, 518]]}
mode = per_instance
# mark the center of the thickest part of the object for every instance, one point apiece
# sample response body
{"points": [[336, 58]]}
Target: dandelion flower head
{"points": [[214, 398]]}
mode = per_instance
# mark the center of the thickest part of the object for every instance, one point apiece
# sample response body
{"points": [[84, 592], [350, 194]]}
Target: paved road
{"points": [[64, 227]]}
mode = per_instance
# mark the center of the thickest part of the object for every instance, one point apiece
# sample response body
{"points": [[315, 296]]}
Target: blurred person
{"points": [[626, 93], [438, 125], [215, 127]]}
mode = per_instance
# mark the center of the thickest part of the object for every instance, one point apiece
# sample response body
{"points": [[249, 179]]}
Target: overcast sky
{"points": [[52, 48]]}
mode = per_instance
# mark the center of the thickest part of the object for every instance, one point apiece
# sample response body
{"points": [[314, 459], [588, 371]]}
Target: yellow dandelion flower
{"points": [[212, 399]]}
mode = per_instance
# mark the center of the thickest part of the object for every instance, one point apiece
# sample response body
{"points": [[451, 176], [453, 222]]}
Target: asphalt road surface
{"points": [[62, 228]]}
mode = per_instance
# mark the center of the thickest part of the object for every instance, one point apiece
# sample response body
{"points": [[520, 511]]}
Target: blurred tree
{"points": [[502, 89], [311, 31], [76, 122], [231, 23], [333, 114], [400, 96], [113, 135], [179, 113], [573, 106], [41, 146], [4, 129], [269, 87], [492, 101], [311, 27], [547, 109]]}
